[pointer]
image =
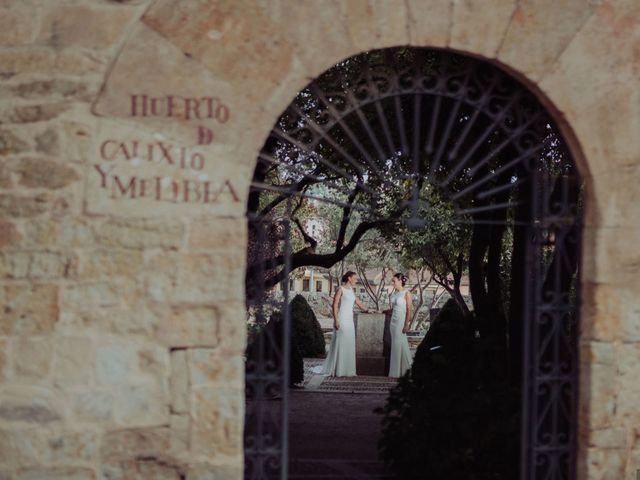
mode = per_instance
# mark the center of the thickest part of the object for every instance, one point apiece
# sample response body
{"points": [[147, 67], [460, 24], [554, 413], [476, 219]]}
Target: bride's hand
{"points": [[405, 329], [336, 325]]}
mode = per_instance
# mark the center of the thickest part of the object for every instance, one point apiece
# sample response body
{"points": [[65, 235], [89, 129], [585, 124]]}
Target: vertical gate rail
{"points": [[267, 366], [550, 379]]}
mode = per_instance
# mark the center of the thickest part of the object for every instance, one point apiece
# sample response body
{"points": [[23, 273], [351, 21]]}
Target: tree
{"points": [[441, 246], [372, 254], [423, 279]]}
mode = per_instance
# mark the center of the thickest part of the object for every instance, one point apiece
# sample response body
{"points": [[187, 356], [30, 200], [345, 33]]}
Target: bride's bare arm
{"points": [[361, 306], [336, 302], [407, 319]]}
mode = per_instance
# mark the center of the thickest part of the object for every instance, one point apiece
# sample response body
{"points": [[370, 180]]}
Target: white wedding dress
{"points": [[341, 358], [400, 360]]}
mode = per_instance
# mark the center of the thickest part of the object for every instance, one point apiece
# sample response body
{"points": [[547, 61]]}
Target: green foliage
{"points": [[306, 332], [271, 336], [439, 242], [447, 419]]}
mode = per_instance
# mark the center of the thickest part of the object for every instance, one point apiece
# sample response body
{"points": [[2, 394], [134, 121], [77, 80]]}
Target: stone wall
{"points": [[128, 135]]}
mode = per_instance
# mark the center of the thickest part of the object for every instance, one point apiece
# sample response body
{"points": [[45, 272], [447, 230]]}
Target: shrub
{"points": [[446, 418], [271, 334], [306, 330]]}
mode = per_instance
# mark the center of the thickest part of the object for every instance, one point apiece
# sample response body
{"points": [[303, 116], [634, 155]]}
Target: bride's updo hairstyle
{"points": [[402, 277], [345, 278]]}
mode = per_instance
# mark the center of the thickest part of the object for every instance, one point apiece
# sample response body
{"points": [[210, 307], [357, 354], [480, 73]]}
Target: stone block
{"points": [[233, 327], [26, 206], [133, 319], [217, 233], [94, 406], [67, 232], [84, 26], [216, 427], [179, 381], [17, 26], [31, 358], [134, 443], [10, 143], [75, 361], [189, 327], [217, 188], [633, 464], [141, 233], [4, 359], [142, 405], [28, 310], [598, 395], [97, 294], [160, 274], [43, 173], [171, 68], [77, 140], [144, 468], [614, 200], [6, 182], [37, 265], [114, 364], [71, 447], [154, 362], [56, 473], [210, 278], [203, 471], [217, 34], [429, 22], [532, 48], [14, 265], [20, 447], [48, 142], [607, 438], [208, 367], [32, 113], [376, 23], [110, 263], [628, 383], [604, 112], [24, 61], [29, 404], [614, 257], [598, 353], [328, 32], [604, 464], [53, 88], [9, 235], [179, 425], [479, 26]]}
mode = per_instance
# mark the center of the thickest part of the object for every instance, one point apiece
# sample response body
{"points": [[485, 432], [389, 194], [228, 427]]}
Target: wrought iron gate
{"points": [[392, 124]]}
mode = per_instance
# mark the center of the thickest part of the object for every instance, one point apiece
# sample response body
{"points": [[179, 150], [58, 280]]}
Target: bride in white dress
{"points": [[341, 358], [400, 300]]}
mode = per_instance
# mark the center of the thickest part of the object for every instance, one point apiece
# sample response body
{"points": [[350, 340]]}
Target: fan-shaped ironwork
{"points": [[379, 134]]}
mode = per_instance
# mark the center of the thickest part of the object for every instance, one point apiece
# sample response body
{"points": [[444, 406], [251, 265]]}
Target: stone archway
{"points": [[147, 270], [274, 89]]}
